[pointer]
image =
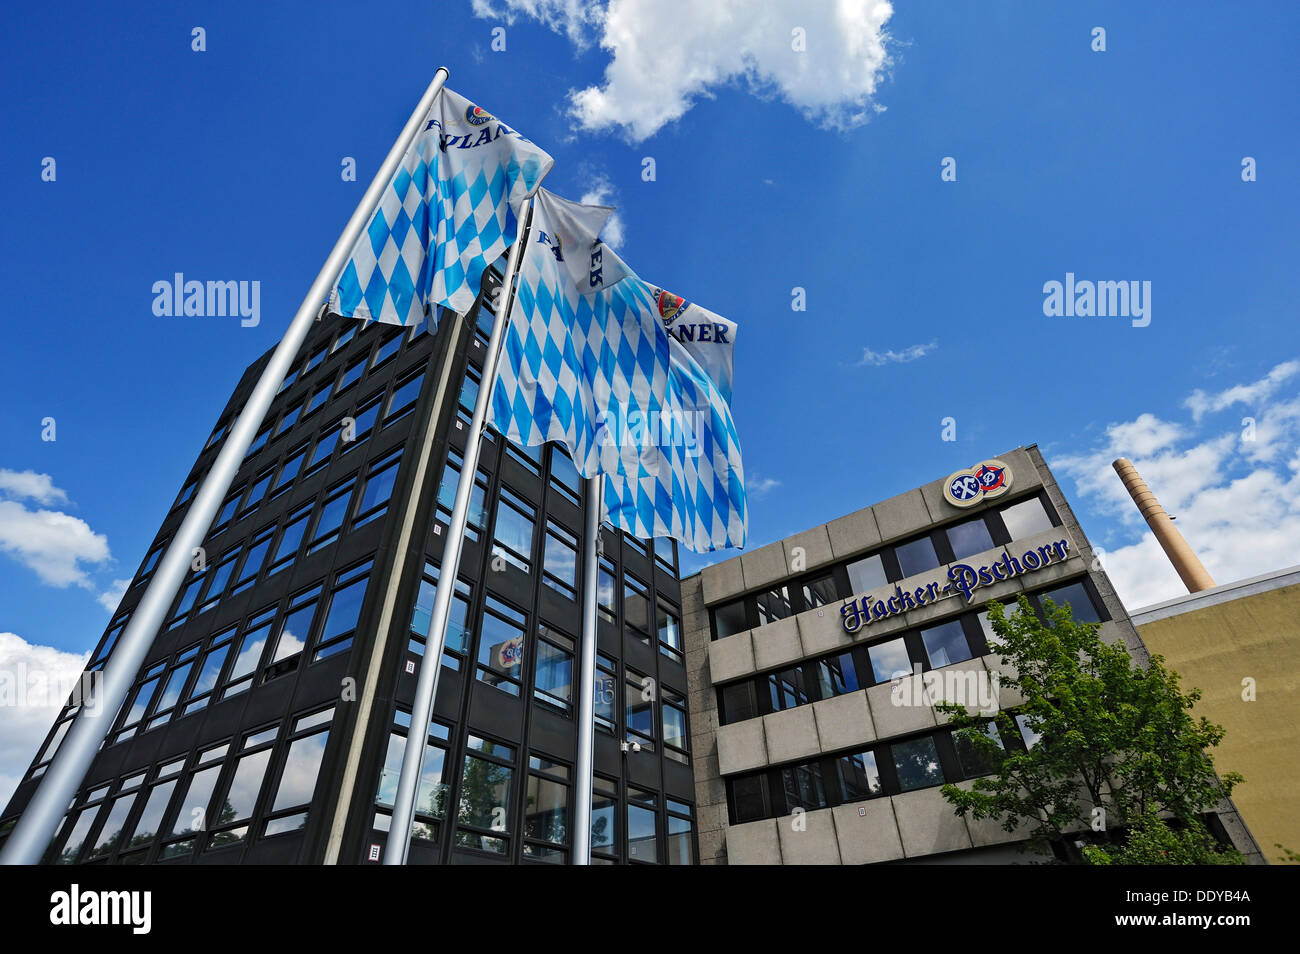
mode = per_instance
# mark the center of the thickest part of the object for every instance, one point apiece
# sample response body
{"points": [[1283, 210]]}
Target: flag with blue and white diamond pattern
{"points": [[451, 210], [695, 490], [584, 351]]}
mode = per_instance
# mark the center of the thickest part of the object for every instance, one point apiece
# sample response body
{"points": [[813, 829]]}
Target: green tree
{"points": [[1117, 745]]}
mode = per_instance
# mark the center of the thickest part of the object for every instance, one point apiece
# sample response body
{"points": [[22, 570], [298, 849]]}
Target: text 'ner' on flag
{"points": [[451, 210]]}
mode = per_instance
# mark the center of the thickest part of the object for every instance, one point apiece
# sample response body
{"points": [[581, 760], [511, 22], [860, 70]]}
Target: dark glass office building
{"points": [[268, 721]]}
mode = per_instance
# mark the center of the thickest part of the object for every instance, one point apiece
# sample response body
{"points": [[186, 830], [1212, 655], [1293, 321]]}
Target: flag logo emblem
{"points": [[477, 115], [670, 305]]}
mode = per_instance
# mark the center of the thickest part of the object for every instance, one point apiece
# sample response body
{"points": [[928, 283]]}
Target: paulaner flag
{"points": [[584, 350], [691, 485], [451, 210]]}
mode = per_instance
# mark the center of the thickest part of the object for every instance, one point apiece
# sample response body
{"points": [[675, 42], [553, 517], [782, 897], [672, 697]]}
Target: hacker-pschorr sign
{"points": [[962, 578]]}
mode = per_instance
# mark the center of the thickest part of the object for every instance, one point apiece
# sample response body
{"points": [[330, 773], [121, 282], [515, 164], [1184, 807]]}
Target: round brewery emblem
{"points": [[984, 481], [670, 305], [477, 115]]}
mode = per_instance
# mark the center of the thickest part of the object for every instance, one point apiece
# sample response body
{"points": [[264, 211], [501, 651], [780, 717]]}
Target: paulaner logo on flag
{"points": [[710, 339], [583, 346], [451, 210]]}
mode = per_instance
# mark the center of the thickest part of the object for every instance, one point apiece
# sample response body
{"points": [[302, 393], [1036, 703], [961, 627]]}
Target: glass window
{"points": [[192, 814], [476, 519], [605, 590], [729, 619], [295, 627], [969, 538], [546, 802], [227, 511], [289, 471], [331, 516], [458, 632], [642, 837], [973, 762], [774, 605], [484, 804], [1074, 595], [670, 631], [673, 711], [858, 775], [1028, 730], [389, 348], [916, 556], [257, 492], [290, 417], [323, 450], [640, 709], [803, 786], [738, 702], [530, 457], [431, 795], [344, 337], [983, 616], [636, 607], [291, 539], [250, 651], [241, 797], [209, 672], [837, 675], [820, 592], [150, 823], [501, 646], [378, 489], [301, 767], [553, 682], [1026, 518], [111, 832], [867, 574], [681, 845], [606, 692], [468, 394], [666, 553], [604, 817], [889, 659], [787, 689], [317, 357], [749, 797], [352, 375], [186, 493], [342, 618], [564, 476], [404, 397], [362, 424], [513, 531], [560, 560], [946, 644], [258, 442], [80, 828], [320, 397], [917, 763]]}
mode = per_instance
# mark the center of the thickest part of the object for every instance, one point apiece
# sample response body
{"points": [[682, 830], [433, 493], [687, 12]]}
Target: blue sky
{"points": [[924, 297]]}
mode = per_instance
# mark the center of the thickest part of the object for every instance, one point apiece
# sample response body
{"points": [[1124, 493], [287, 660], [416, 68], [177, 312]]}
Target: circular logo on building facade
{"points": [[984, 481], [477, 116]]}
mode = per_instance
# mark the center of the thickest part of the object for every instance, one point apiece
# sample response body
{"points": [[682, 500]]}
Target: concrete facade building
{"points": [[800, 652]]}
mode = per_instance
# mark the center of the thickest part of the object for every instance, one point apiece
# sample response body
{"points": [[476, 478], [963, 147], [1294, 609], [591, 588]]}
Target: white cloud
{"points": [[601, 192], [1202, 403], [1237, 501], [29, 485], [876, 359], [28, 710], [756, 486], [111, 597], [51, 543], [667, 54]]}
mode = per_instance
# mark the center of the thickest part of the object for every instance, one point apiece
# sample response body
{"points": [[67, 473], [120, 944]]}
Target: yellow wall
{"points": [[1214, 649]]}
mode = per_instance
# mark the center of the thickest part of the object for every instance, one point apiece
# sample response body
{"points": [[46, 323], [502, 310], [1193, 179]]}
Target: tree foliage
{"points": [[1117, 744]]}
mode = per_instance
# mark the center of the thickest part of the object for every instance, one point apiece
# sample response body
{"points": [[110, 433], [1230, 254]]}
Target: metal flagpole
{"points": [[59, 785], [585, 767], [426, 686]]}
